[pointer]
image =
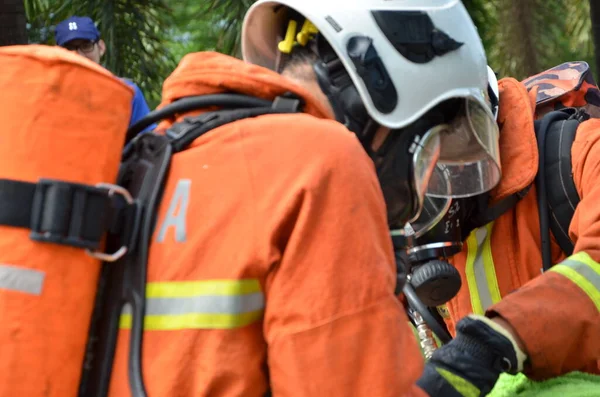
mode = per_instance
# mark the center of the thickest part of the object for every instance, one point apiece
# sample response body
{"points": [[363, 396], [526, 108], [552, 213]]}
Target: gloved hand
{"points": [[471, 363]]}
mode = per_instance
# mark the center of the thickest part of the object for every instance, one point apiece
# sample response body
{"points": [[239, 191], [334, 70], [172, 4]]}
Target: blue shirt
{"points": [[139, 107]]}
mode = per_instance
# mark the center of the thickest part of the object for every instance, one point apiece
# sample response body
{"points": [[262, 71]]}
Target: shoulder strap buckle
{"points": [[112, 191], [178, 130], [288, 102], [71, 214]]}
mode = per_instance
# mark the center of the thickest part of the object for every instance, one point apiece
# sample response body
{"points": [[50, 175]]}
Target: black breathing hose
{"points": [[226, 101], [415, 303]]}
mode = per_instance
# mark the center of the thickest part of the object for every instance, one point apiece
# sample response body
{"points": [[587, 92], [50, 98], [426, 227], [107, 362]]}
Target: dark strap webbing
{"points": [[124, 281], [187, 104], [184, 133], [563, 197], [58, 212], [494, 212], [542, 127]]}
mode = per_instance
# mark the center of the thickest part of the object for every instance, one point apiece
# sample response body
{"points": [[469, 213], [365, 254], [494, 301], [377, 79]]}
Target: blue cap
{"points": [[76, 28]]}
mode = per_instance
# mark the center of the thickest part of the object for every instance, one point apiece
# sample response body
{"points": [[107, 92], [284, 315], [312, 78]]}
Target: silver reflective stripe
{"points": [[585, 270], [19, 279], [485, 296], [213, 304]]}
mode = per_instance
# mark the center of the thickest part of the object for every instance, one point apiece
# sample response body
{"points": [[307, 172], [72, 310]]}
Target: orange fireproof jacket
{"points": [[271, 261], [556, 314]]}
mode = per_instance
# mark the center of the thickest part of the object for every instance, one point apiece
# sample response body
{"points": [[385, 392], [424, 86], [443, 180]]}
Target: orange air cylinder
{"points": [[61, 117]]}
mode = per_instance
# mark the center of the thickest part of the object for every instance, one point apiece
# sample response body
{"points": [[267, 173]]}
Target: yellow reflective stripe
{"points": [[470, 273], [582, 270], [194, 321], [480, 270], [584, 257], [490, 268], [580, 281], [203, 304], [175, 289], [210, 304], [463, 386]]}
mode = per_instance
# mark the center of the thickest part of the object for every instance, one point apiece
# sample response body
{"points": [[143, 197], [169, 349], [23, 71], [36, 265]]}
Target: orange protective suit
{"points": [[271, 261], [557, 315]]}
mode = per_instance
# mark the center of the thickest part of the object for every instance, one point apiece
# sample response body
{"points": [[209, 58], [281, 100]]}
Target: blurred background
{"points": [[146, 38]]}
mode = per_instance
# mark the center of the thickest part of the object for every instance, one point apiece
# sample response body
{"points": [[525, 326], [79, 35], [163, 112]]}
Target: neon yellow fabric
{"points": [[575, 384]]}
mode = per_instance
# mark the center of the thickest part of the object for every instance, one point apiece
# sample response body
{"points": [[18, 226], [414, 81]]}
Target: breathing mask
{"points": [[423, 245]]}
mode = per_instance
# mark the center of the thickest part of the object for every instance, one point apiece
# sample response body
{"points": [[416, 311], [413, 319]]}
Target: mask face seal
{"points": [[438, 234]]}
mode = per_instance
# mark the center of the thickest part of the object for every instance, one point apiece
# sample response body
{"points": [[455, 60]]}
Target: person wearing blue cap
{"points": [[81, 35]]}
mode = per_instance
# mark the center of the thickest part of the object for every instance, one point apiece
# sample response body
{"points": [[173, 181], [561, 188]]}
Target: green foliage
{"points": [[146, 38], [211, 25], [133, 30], [524, 37], [521, 37]]}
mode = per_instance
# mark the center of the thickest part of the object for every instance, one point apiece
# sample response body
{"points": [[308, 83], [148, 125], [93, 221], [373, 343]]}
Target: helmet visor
{"points": [[425, 157], [470, 156]]}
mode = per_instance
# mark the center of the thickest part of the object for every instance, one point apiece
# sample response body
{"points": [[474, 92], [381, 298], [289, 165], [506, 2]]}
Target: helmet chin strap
{"points": [[336, 84], [367, 136]]}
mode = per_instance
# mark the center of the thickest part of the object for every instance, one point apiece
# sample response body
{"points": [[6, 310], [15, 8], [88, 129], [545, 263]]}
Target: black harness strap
{"points": [[541, 183], [187, 104], [485, 213], [184, 133], [563, 197], [557, 194], [16, 203], [64, 213]]}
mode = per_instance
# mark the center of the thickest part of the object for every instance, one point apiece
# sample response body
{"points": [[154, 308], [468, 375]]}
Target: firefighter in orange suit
{"points": [[505, 254], [271, 267], [261, 46]]}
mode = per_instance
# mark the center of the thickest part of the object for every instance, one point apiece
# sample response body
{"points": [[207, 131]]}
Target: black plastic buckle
{"points": [[287, 103], [60, 211], [178, 130]]}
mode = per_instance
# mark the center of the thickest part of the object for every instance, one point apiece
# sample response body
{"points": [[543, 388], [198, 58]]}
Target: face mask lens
{"points": [[432, 211], [425, 157], [469, 157]]}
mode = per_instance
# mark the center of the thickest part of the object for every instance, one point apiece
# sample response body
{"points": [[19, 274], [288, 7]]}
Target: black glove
{"points": [[471, 363]]}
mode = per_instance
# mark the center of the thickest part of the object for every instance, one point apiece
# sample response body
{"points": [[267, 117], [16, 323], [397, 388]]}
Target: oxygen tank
{"points": [[61, 117]]}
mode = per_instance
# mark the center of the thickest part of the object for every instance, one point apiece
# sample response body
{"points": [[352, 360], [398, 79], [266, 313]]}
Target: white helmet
{"points": [[402, 58], [394, 26]]}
